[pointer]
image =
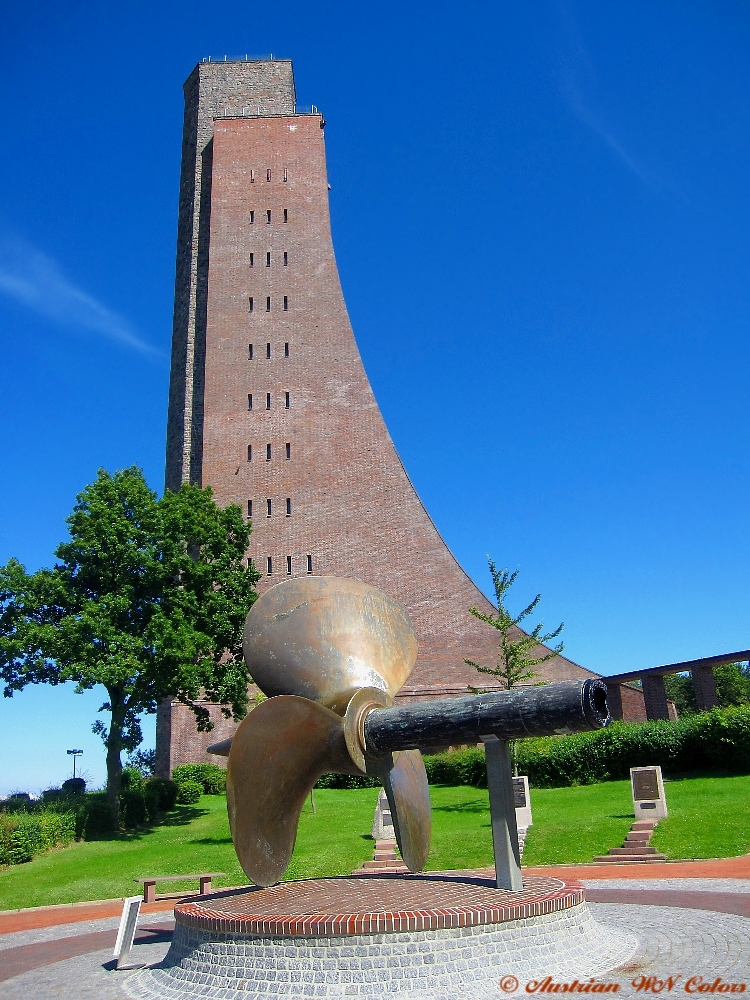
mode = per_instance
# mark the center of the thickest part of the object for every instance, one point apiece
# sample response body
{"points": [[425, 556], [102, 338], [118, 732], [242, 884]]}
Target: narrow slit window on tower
{"points": [[268, 350], [286, 302], [252, 218], [249, 352], [251, 260], [286, 350], [288, 565], [286, 258], [268, 400], [286, 175], [268, 216], [268, 259], [268, 303], [309, 564], [249, 508], [250, 304], [252, 177], [249, 401], [288, 506], [268, 175], [286, 400], [268, 452], [286, 215], [269, 565], [249, 453], [288, 450], [268, 508]]}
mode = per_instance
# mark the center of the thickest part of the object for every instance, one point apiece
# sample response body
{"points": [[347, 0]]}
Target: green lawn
{"points": [[570, 825]]}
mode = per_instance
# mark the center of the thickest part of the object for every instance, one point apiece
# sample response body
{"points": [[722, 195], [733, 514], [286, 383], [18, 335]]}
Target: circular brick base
{"points": [[420, 935]]}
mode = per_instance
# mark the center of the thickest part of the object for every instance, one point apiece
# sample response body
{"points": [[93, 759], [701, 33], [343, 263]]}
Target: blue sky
{"points": [[540, 214]]}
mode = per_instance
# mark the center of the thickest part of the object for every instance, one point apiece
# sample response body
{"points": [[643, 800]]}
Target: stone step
{"points": [[644, 824], [632, 850], [638, 837], [617, 859]]}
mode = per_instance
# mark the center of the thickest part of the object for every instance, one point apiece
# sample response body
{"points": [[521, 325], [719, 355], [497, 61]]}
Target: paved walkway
{"points": [[691, 918]]}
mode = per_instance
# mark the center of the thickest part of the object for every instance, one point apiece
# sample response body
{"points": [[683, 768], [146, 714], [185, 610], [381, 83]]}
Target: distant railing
{"points": [[245, 58], [267, 111]]}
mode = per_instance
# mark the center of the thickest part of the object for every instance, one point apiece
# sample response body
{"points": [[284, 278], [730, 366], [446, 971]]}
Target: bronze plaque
{"points": [[645, 785], [519, 793]]}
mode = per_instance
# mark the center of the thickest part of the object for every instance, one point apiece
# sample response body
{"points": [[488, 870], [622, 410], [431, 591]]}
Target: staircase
{"points": [[386, 860], [636, 846]]}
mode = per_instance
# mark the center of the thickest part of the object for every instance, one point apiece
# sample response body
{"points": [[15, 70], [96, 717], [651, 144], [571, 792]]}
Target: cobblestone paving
{"points": [[88, 977], [679, 943], [671, 942], [683, 884], [18, 938]]}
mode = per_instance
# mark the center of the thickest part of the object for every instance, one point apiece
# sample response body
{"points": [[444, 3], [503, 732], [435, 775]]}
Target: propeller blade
{"points": [[324, 639], [409, 798], [278, 753]]}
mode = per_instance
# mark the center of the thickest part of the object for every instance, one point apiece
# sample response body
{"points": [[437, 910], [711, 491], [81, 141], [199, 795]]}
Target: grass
{"points": [[708, 818]]}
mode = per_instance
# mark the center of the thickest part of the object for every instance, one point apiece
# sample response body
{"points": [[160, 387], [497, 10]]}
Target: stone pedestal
{"points": [[418, 936]]}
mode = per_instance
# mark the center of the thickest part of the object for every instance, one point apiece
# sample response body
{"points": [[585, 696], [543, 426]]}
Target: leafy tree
{"points": [[732, 688], [148, 599], [732, 684], [679, 689], [514, 662]]}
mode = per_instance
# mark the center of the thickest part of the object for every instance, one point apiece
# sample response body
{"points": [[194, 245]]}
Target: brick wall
{"points": [[354, 512]]}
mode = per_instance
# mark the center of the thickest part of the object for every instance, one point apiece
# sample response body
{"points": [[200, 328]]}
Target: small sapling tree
{"points": [[148, 599], [515, 664]]}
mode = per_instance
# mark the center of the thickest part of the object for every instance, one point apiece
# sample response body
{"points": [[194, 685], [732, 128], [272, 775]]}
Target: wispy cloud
{"points": [[35, 280], [578, 83]]}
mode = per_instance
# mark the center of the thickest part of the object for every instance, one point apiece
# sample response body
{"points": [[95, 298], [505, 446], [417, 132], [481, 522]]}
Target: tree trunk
{"points": [[114, 763]]}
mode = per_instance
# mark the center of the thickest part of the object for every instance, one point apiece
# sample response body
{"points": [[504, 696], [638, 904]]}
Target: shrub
{"points": [[347, 781], [132, 780], [73, 786], [189, 792], [133, 810], [211, 777], [94, 816], [17, 802], [160, 795], [716, 740], [22, 835]]}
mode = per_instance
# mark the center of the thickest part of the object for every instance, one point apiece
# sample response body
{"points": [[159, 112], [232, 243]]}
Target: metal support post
{"points": [[503, 814]]}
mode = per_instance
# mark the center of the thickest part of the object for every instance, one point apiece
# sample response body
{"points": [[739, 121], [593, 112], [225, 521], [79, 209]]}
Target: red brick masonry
{"points": [[384, 904]]}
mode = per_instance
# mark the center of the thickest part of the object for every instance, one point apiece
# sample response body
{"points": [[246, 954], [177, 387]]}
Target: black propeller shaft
{"points": [[547, 710]]}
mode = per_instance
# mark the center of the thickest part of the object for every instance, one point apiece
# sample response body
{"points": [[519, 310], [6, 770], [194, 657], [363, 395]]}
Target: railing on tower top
{"points": [[257, 111]]}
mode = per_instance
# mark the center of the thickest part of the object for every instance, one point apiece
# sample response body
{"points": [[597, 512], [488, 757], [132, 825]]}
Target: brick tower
{"points": [[269, 401]]}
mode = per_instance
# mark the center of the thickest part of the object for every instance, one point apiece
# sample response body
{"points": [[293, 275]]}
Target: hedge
{"points": [[211, 777], [711, 741], [22, 835], [189, 792]]}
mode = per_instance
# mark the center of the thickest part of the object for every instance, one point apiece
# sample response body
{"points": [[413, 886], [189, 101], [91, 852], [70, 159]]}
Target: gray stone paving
{"points": [[683, 884], [55, 933], [671, 941], [81, 978], [681, 943], [73, 930]]}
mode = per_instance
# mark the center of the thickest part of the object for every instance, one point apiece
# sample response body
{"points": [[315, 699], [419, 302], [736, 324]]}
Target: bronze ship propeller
{"points": [[325, 651], [330, 655]]}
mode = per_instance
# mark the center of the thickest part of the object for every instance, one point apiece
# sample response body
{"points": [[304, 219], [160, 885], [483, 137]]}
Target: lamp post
{"points": [[74, 754]]}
